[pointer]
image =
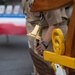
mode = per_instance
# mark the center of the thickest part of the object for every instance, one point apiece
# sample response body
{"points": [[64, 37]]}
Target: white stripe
{"points": [[16, 21], [29, 46]]}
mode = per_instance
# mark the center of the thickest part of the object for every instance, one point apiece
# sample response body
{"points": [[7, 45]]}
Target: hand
{"points": [[40, 48]]}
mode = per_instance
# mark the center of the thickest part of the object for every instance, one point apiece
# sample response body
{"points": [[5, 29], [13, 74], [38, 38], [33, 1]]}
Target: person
{"points": [[51, 20]]}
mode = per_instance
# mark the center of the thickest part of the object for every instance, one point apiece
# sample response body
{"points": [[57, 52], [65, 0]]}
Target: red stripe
{"points": [[11, 29]]}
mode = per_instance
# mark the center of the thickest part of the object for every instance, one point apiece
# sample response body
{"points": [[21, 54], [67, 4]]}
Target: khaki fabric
{"points": [[51, 17], [55, 17], [62, 26], [23, 2]]}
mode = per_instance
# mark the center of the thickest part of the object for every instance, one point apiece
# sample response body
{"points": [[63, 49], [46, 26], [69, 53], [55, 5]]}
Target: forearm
{"points": [[46, 40], [48, 36]]}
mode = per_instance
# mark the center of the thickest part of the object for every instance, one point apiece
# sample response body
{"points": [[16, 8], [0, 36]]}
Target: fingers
{"points": [[40, 48]]}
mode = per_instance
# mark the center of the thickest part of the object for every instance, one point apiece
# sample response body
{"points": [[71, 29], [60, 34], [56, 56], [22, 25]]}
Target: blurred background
{"points": [[14, 55]]}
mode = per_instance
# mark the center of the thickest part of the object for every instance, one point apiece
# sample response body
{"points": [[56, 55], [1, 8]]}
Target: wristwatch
{"points": [[45, 44]]}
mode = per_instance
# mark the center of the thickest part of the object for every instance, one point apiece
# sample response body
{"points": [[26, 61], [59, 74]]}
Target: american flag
{"points": [[13, 24]]}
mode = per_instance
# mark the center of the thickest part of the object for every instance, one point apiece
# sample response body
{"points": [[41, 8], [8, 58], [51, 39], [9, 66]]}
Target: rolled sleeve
{"points": [[53, 17]]}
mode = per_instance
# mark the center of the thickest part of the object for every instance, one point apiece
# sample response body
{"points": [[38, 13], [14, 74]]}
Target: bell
{"points": [[36, 32]]}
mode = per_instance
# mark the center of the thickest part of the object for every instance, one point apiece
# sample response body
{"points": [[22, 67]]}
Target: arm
{"points": [[53, 18], [47, 38]]}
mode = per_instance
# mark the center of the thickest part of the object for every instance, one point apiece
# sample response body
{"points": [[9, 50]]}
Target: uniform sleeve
{"points": [[53, 17]]}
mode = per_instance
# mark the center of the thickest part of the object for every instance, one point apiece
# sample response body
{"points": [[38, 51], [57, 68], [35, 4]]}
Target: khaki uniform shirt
{"points": [[50, 17], [53, 17]]}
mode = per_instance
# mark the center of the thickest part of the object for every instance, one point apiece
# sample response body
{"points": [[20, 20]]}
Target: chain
{"points": [[41, 18]]}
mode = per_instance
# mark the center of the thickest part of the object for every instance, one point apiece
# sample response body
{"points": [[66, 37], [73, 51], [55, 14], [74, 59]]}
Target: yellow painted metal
{"points": [[58, 32], [53, 66], [59, 49], [59, 59], [58, 41]]}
